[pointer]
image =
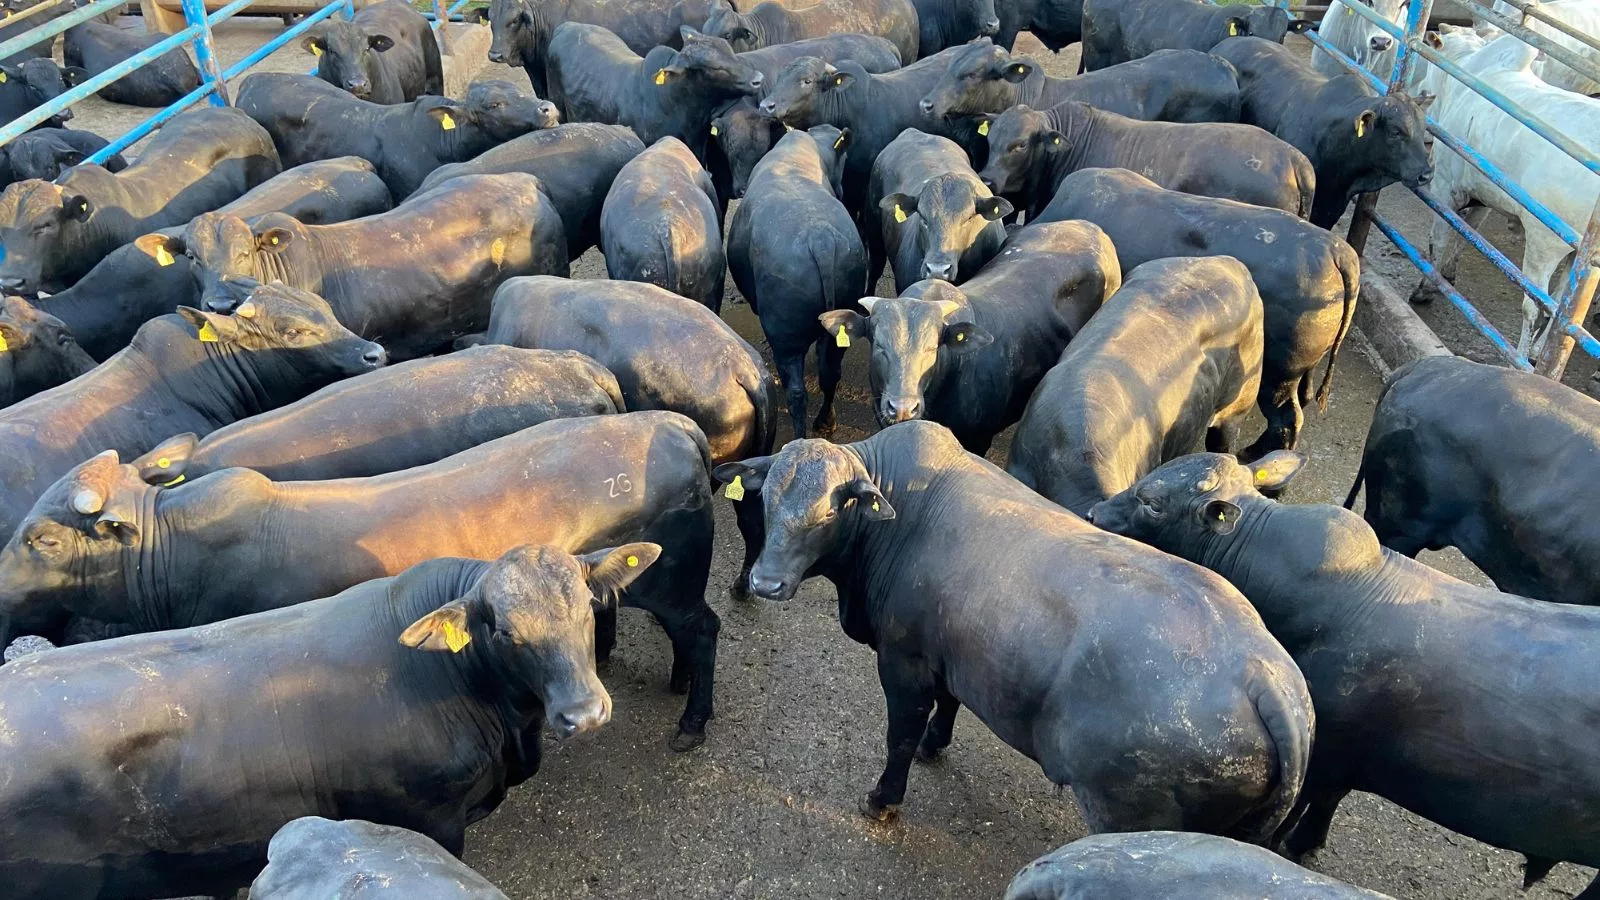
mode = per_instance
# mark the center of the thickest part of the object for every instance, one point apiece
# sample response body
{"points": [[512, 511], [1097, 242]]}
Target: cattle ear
{"points": [[1221, 516], [10, 73], [525, 17], [446, 114], [74, 75], [446, 628], [852, 323], [314, 44], [274, 239], [837, 80], [117, 521], [11, 337], [380, 42], [1433, 40], [868, 499], [747, 475], [1053, 139], [965, 336], [844, 140], [1016, 71], [166, 464], [1301, 26], [1238, 26], [68, 158], [898, 206], [1364, 123], [610, 571], [210, 328], [994, 208], [668, 73], [163, 249], [687, 33], [1425, 99], [1274, 471], [76, 207]]}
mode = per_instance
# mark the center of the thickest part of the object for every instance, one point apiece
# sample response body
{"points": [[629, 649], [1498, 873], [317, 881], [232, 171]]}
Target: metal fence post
{"points": [[1573, 307], [205, 51], [1417, 15]]}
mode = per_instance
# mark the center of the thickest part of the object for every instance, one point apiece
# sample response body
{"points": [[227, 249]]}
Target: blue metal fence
{"points": [[1551, 350]]}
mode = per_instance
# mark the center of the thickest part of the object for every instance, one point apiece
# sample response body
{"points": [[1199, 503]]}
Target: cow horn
{"points": [[246, 310], [87, 502]]}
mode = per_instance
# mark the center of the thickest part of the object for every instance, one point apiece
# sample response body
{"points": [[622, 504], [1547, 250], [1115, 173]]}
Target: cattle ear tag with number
{"points": [[842, 339], [632, 561], [208, 335], [714, 131], [447, 123], [661, 76], [1233, 29], [899, 214], [3, 345], [983, 128], [1361, 128], [2, 78], [735, 488], [315, 50], [164, 256], [455, 637]]}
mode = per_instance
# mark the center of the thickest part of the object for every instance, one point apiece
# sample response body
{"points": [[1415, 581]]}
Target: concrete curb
{"points": [[1391, 327]]}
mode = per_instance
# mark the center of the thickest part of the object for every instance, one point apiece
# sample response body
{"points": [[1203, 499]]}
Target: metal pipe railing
{"points": [[1573, 307], [195, 12], [1480, 243], [33, 10], [50, 29], [1556, 51], [1533, 10]]}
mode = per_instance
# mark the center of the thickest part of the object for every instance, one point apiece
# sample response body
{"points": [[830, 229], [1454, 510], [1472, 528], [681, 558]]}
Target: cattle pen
{"points": [[1564, 309]]}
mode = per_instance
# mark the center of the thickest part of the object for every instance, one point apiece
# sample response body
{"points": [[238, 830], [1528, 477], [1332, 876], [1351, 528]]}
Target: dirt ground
{"points": [[767, 808]]}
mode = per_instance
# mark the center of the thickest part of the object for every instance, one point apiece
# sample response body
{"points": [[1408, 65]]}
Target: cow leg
{"points": [[1310, 833], [1542, 254], [830, 368], [910, 691], [747, 513], [674, 590], [1221, 436], [941, 728], [605, 633], [792, 373], [1279, 402]]}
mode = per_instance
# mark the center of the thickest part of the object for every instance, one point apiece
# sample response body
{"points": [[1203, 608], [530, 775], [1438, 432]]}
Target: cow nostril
{"points": [[375, 355], [756, 81], [927, 106], [496, 56], [991, 27], [12, 284]]}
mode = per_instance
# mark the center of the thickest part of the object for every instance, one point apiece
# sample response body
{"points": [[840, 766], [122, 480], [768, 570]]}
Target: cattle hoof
{"points": [[740, 590], [823, 429], [1424, 294], [683, 741], [929, 755], [876, 813]]}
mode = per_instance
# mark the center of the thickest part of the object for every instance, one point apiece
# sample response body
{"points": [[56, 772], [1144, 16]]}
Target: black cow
{"points": [[191, 371], [1466, 706], [1031, 152], [1116, 32], [30, 83], [928, 214], [1144, 683], [743, 134], [1175, 356], [1056, 23], [1484, 459], [1166, 86], [386, 54], [399, 417], [875, 108], [313, 858], [1308, 277], [1171, 864], [311, 119], [45, 153], [795, 254], [662, 224], [54, 233], [948, 23], [594, 481], [37, 351], [97, 46], [970, 357], [1356, 140], [15, 26], [594, 77], [131, 286], [521, 29], [333, 708], [772, 23], [417, 277], [575, 163]]}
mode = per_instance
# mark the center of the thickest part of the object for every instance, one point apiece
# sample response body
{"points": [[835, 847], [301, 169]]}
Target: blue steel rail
{"points": [[1551, 350], [213, 78]]}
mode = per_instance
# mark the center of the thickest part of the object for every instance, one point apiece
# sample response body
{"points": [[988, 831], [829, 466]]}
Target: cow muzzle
{"points": [[585, 715], [497, 56], [768, 588], [989, 28], [895, 410]]}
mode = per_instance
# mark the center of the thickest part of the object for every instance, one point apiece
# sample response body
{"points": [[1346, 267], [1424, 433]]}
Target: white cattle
{"points": [[1359, 39], [1549, 175], [1581, 15]]}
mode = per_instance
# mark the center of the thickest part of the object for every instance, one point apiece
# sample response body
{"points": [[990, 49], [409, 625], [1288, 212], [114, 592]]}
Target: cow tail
{"points": [[1350, 272], [670, 276], [764, 399], [1355, 489], [1306, 175], [1289, 728]]}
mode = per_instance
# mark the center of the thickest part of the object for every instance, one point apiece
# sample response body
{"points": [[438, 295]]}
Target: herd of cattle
{"points": [[202, 436]]}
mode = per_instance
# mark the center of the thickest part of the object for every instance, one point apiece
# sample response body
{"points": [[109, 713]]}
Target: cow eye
{"points": [[806, 82], [1151, 505], [64, 338], [41, 542]]}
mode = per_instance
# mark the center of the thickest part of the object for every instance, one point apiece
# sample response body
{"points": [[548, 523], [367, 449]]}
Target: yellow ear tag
{"points": [[983, 128], [714, 131], [3, 345], [164, 256], [177, 481], [1261, 474], [454, 637], [208, 335], [1055, 140], [899, 214], [633, 562], [315, 50], [961, 336], [1361, 128], [497, 251], [447, 123], [842, 338], [2, 78], [874, 506], [1233, 29], [735, 488], [661, 76], [163, 463]]}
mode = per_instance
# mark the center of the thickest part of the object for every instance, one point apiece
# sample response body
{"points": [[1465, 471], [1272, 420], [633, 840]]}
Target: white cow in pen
{"points": [[1358, 38], [1582, 16], [1549, 175]]}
